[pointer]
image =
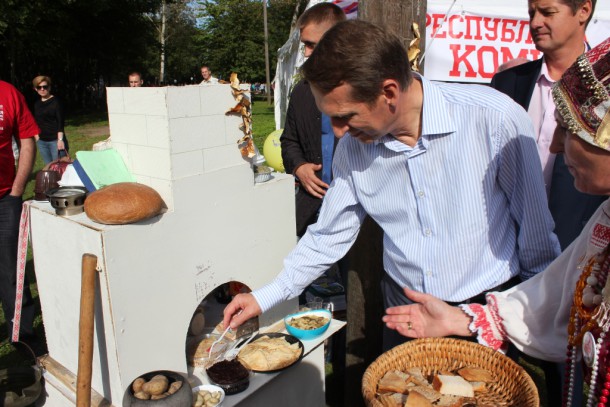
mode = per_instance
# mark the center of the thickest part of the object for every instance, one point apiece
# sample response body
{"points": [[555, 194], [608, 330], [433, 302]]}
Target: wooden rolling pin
{"points": [[85, 330]]}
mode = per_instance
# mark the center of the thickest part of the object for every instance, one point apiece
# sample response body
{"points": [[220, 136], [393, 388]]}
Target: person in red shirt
{"points": [[15, 120]]}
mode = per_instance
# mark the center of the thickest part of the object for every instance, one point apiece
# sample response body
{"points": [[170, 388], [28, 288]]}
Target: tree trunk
{"points": [[364, 308], [267, 70], [397, 16], [162, 39], [365, 303]]}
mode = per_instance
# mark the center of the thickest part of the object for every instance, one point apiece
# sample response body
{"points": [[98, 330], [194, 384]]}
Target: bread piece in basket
{"points": [[476, 374], [448, 400], [454, 385], [415, 399], [394, 381]]}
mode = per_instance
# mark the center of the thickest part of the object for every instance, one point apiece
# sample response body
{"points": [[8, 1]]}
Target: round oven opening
{"points": [[205, 327]]}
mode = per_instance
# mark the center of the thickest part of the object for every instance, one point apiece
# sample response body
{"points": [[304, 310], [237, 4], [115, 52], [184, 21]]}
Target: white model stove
{"points": [[219, 227]]}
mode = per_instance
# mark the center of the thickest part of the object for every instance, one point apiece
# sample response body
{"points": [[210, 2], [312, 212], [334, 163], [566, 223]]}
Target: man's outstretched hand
{"points": [[246, 303], [428, 316]]}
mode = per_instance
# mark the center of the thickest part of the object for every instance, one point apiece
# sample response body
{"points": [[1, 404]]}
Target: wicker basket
{"points": [[514, 386]]}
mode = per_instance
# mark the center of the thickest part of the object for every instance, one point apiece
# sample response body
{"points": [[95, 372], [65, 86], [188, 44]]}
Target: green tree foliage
{"points": [[85, 45], [181, 47], [232, 35], [78, 43]]}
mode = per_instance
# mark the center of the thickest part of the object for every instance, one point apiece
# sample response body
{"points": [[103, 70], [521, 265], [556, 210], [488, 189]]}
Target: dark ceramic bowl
{"points": [[238, 382], [45, 180], [182, 398], [20, 386]]}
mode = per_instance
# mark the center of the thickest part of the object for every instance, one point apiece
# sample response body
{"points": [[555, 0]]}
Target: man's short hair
{"points": [[205, 66], [360, 54], [321, 13], [134, 73], [575, 4]]}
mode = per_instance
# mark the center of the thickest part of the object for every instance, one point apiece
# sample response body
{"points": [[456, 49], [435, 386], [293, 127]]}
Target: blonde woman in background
{"points": [[49, 114]]}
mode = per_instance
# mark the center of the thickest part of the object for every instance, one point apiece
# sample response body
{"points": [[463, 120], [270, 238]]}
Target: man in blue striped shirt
{"points": [[450, 173]]}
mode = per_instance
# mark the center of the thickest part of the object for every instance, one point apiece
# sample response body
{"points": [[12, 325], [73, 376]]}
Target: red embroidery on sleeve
{"points": [[600, 236], [487, 324]]}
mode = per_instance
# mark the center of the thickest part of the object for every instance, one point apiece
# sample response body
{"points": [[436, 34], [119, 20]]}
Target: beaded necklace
{"points": [[590, 314]]}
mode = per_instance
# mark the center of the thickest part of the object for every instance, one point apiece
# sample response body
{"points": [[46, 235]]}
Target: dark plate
{"points": [[290, 339]]}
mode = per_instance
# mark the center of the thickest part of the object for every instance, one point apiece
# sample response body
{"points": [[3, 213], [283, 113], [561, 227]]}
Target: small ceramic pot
{"points": [[45, 180]]}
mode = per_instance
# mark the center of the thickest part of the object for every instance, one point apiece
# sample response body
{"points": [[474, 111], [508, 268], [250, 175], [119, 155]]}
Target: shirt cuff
{"points": [[487, 324], [269, 296]]}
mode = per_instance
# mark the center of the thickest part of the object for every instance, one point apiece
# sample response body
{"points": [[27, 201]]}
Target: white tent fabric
{"points": [[290, 57]]}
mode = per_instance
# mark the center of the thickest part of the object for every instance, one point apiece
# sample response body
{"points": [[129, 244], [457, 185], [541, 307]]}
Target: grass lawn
{"points": [[263, 122]]}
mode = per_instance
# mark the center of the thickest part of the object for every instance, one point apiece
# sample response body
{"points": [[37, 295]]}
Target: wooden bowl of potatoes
{"points": [[161, 388]]}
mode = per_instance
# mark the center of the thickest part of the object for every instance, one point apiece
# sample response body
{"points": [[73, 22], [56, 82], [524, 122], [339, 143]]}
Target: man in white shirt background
{"points": [[206, 74]]}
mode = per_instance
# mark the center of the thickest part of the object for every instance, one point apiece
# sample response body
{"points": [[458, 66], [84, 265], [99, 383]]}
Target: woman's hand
{"points": [[428, 317], [60, 145]]}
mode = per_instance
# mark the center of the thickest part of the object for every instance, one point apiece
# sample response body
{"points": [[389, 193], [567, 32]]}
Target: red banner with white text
{"points": [[467, 43]]}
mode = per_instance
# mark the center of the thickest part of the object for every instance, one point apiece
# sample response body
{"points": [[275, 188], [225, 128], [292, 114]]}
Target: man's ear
{"points": [[390, 90], [584, 11]]}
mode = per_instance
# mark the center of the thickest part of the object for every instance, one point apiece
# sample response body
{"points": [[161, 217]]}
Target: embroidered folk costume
{"points": [[567, 305]]}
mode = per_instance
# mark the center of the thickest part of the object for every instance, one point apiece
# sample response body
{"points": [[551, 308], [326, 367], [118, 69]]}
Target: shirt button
{"points": [[428, 232], [428, 273], [421, 194]]}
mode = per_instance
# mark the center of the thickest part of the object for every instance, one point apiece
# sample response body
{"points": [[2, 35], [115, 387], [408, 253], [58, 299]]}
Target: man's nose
{"points": [[339, 128], [557, 143], [536, 20]]}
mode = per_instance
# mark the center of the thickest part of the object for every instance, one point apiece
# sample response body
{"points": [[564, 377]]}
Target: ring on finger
{"points": [[409, 325]]}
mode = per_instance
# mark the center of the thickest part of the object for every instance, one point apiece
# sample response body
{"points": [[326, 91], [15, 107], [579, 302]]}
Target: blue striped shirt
{"points": [[462, 211]]}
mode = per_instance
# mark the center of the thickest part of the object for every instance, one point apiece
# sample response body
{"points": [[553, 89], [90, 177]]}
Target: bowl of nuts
{"points": [[208, 395], [308, 324]]}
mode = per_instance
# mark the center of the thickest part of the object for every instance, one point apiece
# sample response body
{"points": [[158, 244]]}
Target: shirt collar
{"points": [[431, 124], [544, 70], [543, 76]]}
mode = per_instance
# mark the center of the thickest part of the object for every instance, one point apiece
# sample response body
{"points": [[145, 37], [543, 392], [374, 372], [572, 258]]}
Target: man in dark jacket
{"points": [[308, 141], [558, 30]]}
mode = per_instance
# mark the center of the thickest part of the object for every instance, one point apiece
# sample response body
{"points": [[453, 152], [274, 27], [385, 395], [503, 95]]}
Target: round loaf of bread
{"points": [[122, 203]]}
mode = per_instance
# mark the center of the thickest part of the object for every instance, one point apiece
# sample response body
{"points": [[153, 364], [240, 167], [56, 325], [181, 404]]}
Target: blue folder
{"points": [[83, 176]]}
